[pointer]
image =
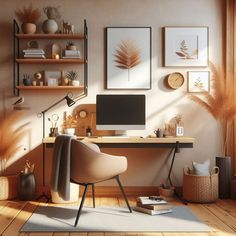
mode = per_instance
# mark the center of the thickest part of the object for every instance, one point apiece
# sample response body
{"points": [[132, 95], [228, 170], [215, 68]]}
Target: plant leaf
{"points": [[127, 55]]}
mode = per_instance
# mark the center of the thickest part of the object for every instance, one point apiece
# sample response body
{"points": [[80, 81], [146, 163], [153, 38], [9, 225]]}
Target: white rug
{"points": [[104, 219]]}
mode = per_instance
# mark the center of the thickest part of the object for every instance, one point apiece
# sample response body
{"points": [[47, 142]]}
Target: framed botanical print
{"points": [[198, 81], [186, 46], [128, 57]]}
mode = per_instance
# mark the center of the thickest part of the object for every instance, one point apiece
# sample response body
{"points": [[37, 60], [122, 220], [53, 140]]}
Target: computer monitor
{"points": [[120, 112]]}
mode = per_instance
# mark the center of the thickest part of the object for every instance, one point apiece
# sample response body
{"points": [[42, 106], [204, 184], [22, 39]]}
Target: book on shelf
{"points": [[33, 51], [34, 56], [71, 52], [71, 57], [151, 212], [153, 200], [155, 207]]}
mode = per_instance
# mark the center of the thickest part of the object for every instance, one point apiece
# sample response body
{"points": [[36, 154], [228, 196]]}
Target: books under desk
{"points": [[153, 205]]}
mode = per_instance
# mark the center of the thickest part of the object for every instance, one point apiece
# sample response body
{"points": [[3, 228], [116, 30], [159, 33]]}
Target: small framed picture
{"points": [[198, 81], [52, 78], [186, 46]]}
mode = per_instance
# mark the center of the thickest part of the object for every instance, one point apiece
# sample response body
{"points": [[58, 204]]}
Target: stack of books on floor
{"points": [[71, 54], [153, 205], [34, 53]]}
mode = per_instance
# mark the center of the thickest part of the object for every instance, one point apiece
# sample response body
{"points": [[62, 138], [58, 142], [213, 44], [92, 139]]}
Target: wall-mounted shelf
{"points": [[18, 61], [50, 61], [50, 87], [49, 36]]}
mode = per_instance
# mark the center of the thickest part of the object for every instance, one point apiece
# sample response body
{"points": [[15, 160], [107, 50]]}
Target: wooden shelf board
{"points": [[49, 87], [49, 36], [50, 61]]}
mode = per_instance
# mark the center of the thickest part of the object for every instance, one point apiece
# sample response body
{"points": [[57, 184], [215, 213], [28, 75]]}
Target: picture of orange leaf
{"points": [[127, 56]]}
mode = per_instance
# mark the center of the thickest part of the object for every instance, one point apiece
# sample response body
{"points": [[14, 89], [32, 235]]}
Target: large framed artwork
{"points": [[128, 57], [186, 46]]}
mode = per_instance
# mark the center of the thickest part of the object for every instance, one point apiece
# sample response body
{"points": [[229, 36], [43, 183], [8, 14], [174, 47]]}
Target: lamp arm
{"points": [[47, 109]]}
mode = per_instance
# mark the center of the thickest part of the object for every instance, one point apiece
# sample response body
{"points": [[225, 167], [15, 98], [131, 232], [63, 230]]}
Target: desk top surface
{"points": [[129, 140]]}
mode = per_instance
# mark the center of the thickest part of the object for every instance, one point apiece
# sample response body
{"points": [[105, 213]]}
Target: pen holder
{"points": [[53, 132]]}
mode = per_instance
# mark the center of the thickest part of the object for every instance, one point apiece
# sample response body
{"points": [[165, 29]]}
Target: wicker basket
{"points": [[201, 189], [8, 186]]}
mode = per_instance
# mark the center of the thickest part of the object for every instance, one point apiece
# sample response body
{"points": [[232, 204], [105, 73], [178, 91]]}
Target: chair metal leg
{"points": [[81, 205], [93, 194], [123, 192]]}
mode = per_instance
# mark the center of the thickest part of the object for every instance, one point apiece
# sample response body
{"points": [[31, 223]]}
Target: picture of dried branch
{"points": [[184, 51], [220, 103], [199, 84], [127, 56]]}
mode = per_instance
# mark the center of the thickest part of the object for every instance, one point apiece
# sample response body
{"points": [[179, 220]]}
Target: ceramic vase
{"points": [[28, 28], [27, 186], [75, 82], [50, 26], [27, 81]]}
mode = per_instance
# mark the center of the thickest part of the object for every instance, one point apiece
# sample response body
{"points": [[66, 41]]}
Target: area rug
{"points": [[110, 219]]}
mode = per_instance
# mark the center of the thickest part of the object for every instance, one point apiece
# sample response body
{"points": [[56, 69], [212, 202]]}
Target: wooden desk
{"points": [[138, 142], [185, 142]]}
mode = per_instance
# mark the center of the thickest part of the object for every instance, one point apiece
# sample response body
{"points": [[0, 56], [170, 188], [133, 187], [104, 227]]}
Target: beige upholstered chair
{"points": [[90, 166]]}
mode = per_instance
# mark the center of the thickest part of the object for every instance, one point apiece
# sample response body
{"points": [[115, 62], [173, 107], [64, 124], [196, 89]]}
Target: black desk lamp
{"points": [[70, 102]]}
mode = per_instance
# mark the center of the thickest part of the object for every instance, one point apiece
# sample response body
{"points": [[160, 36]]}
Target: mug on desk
{"points": [[159, 133]]}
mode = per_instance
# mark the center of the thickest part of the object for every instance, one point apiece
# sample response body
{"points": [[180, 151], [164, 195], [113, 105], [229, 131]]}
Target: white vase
{"points": [[75, 82], [50, 26]]}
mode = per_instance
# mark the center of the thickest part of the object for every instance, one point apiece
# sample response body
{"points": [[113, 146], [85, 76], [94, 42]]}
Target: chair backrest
{"points": [[89, 165]]}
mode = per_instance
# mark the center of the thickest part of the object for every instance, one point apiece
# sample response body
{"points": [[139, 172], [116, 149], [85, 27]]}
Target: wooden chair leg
{"points": [[123, 192], [93, 194], [81, 205]]}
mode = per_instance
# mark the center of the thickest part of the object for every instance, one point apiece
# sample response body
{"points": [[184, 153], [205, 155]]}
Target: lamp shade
{"points": [[70, 102]]}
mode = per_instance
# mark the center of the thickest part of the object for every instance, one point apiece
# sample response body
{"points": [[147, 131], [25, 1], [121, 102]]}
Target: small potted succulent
{"points": [[29, 17], [73, 75], [71, 46]]}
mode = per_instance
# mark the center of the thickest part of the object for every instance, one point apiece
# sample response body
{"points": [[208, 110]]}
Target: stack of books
{"points": [[153, 205], [34, 53], [71, 54]]}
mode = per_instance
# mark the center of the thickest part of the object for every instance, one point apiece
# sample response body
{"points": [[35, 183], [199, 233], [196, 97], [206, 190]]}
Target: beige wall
{"points": [[146, 167]]}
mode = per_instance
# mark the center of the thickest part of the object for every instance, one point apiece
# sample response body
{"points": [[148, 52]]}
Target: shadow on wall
{"points": [[34, 156], [6, 34]]}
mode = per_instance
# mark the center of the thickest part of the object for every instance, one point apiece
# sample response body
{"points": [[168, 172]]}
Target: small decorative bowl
{"points": [[70, 131]]}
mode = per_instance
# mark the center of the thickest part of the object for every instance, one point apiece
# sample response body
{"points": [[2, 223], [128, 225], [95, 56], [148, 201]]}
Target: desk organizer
{"points": [[200, 189]]}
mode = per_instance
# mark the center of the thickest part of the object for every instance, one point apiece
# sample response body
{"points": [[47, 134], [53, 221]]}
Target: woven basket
{"points": [[201, 189], [8, 187]]}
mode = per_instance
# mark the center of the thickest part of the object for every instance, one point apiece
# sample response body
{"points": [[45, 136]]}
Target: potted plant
{"points": [[29, 17], [69, 124], [50, 25], [10, 136], [72, 75], [71, 46], [220, 103]]}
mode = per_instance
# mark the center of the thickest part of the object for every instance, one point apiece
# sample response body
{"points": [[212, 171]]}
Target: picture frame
{"points": [[52, 78], [186, 46], [198, 82], [128, 58]]}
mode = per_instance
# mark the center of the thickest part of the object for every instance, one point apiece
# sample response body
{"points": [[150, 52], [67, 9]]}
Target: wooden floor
{"points": [[220, 216]]}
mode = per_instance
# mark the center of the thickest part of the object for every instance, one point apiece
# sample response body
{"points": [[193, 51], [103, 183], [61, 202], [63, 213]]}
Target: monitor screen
{"points": [[120, 112]]}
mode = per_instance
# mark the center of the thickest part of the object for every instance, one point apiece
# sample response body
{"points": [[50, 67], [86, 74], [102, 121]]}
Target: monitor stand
{"points": [[122, 133]]}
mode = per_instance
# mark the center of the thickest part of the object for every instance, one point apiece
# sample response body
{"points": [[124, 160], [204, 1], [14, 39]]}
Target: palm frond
{"points": [[220, 103], [10, 136], [127, 55]]}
